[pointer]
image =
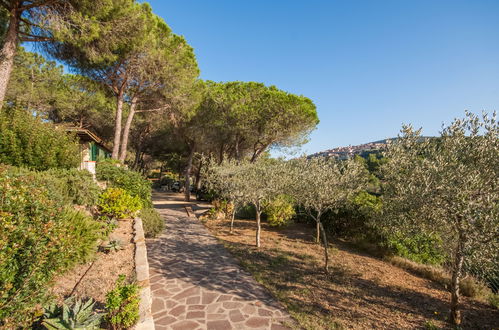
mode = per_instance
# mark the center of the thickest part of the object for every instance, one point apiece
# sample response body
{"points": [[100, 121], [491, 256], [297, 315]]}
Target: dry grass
{"points": [[103, 274], [362, 292], [469, 286]]}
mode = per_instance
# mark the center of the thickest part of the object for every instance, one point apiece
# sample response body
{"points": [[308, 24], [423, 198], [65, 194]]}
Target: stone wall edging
{"points": [[146, 320]]}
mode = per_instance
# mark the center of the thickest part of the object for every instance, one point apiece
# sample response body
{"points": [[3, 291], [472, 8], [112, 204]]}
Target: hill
{"points": [[362, 149]]}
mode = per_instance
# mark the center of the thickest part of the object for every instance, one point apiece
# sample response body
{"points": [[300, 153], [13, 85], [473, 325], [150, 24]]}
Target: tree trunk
{"points": [[117, 125], [198, 175], [317, 232], [188, 167], [258, 226], [455, 312], [326, 252], [126, 130], [8, 51], [232, 219]]}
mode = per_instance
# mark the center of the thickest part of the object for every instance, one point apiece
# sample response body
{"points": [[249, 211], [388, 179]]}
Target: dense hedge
{"points": [[69, 186], [27, 141], [119, 177], [40, 237]]}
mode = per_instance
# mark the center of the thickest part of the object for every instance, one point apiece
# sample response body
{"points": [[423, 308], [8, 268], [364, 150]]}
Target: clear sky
{"points": [[369, 65]]}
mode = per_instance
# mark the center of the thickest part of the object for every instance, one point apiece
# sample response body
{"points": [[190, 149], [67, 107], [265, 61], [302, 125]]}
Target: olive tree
{"points": [[256, 183], [228, 183], [449, 186], [322, 184]]}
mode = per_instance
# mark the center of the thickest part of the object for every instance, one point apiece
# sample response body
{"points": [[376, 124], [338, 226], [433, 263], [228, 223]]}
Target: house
{"points": [[92, 148]]}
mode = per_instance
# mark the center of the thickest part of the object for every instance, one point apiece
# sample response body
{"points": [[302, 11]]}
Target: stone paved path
{"points": [[195, 282]]}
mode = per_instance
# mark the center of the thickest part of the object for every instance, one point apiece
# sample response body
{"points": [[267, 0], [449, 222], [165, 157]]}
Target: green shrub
{"points": [[494, 300], [152, 222], [280, 211], [74, 314], [119, 177], [418, 247], [117, 203], [68, 186], [122, 304], [27, 141], [79, 186], [40, 237]]}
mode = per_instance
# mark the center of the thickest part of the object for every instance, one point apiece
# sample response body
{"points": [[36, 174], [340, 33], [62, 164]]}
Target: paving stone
{"points": [[196, 307], [185, 325], [236, 316], [193, 300], [264, 312], [209, 297], [195, 315], [257, 322], [219, 325], [166, 320], [177, 311]]}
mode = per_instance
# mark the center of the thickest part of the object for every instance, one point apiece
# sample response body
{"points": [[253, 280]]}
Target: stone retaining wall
{"points": [[142, 269]]}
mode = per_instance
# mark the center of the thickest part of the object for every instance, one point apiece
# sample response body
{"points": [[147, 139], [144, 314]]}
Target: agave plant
{"points": [[74, 315], [113, 245]]}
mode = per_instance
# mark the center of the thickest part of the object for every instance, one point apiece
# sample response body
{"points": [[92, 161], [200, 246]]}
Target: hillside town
{"points": [[350, 151]]}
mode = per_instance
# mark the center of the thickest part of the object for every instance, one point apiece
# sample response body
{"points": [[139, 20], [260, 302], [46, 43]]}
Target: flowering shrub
{"points": [[117, 203]]}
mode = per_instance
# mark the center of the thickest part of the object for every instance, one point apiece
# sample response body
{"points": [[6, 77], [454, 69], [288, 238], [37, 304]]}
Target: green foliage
{"points": [[68, 186], [80, 186], [40, 237], [114, 245], [27, 141], [74, 314], [494, 300], [119, 177], [280, 211], [122, 304], [448, 186], [117, 203], [418, 247], [152, 222]]}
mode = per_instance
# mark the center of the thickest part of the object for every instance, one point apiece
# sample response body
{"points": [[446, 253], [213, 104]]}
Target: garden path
{"points": [[195, 282]]}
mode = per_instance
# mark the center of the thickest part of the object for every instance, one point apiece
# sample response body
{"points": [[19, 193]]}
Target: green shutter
{"points": [[94, 151]]}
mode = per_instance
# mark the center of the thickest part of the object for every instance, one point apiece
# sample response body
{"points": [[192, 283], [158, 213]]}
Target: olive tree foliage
{"points": [[226, 180], [256, 183], [450, 186], [321, 184]]}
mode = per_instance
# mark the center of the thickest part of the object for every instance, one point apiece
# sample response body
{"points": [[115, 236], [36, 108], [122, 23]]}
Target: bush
{"points": [[280, 211], [418, 247], [122, 304], [152, 222], [27, 141], [117, 203], [40, 237], [68, 186], [119, 177], [80, 186], [494, 300]]}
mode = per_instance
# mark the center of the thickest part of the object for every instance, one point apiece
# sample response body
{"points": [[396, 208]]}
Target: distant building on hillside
{"points": [[92, 148]]}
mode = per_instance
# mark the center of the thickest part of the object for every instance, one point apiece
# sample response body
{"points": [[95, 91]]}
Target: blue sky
{"points": [[369, 66]]}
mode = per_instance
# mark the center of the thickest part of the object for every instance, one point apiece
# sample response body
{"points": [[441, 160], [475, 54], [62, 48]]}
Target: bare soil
{"points": [[104, 272], [361, 291]]}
